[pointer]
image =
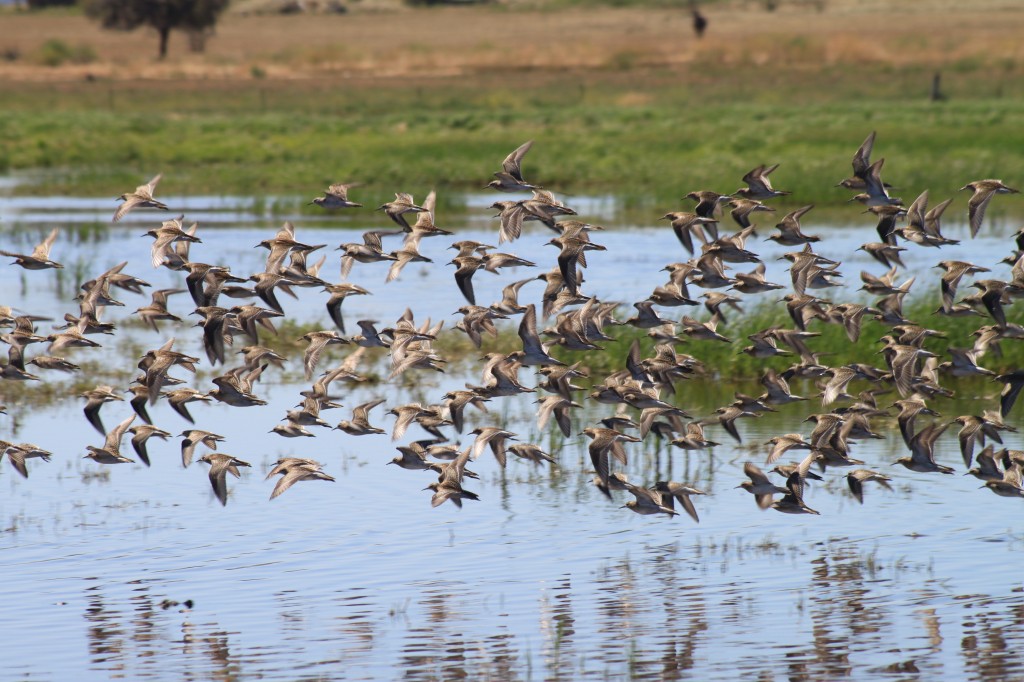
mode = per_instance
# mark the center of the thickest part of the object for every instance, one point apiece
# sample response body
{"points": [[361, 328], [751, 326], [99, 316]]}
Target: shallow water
{"points": [[541, 579]]}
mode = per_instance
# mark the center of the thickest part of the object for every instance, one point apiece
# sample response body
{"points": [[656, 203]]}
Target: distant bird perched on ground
{"points": [[700, 23]]}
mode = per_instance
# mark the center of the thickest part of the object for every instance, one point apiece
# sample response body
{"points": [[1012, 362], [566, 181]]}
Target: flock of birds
{"points": [[639, 396]]}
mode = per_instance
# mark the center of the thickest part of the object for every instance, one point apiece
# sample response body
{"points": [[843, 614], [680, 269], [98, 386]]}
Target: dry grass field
{"points": [[377, 41]]}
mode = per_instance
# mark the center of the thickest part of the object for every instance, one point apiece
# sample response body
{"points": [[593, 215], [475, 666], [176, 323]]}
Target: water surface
{"points": [[541, 579]]}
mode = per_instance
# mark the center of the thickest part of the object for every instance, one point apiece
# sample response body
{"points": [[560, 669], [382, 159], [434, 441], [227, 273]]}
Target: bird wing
{"points": [[42, 250], [130, 202], [147, 190], [528, 331], [112, 442], [513, 162], [976, 208], [464, 279], [862, 159]]}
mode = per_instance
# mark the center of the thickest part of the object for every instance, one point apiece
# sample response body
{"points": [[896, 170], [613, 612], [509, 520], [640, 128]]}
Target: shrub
{"points": [[55, 52]]}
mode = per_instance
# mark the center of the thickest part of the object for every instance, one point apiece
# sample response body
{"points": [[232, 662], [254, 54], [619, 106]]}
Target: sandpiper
{"points": [[142, 197], [39, 259], [220, 466]]}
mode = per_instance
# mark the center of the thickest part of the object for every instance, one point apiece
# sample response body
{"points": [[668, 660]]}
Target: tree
{"points": [[192, 16]]}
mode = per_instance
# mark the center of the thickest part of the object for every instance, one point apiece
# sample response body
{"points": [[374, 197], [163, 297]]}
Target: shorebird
{"points": [[954, 272], [295, 469], [510, 177], [397, 209], [648, 501], [975, 429], [922, 450], [983, 190], [759, 486], [370, 251], [495, 437], [559, 407], [449, 482], [339, 292], [39, 259], [1011, 484], [571, 256], [456, 403], [336, 196], [318, 341], [360, 423], [220, 466], [685, 225], [875, 191], [709, 205], [531, 453], [785, 443], [793, 501], [886, 254], [141, 435], [193, 437], [1013, 382], [95, 400], [987, 468], [157, 311], [142, 197], [861, 165], [110, 453], [180, 397], [605, 442], [694, 438], [467, 266], [543, 207], [759, 187], [858, 477], [777, 390], [789, 229], [17, 454], [964, 363], [509, 304]]}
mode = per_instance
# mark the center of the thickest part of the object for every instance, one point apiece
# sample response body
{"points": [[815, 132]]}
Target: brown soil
{"points": [[377, 42]]}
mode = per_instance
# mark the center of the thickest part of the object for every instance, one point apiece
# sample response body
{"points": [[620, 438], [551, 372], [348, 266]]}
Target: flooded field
{"points": [[139, 572]]}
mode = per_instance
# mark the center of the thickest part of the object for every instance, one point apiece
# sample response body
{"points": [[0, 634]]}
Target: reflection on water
{"points": [[139, 573], [673, 611]]}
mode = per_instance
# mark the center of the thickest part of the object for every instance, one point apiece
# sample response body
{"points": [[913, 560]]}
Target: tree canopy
{"points": [[193, 16]]}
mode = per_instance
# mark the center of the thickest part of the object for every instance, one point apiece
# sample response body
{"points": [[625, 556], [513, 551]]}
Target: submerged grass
{"points": [[725, 361]]}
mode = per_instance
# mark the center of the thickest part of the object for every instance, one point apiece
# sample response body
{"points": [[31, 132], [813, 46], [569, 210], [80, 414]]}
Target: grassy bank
{"points": [[587, 142], [620, 101]]}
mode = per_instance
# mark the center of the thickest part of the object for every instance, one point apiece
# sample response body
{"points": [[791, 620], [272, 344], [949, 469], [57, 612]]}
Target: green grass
{"points": [[282, 139]]}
